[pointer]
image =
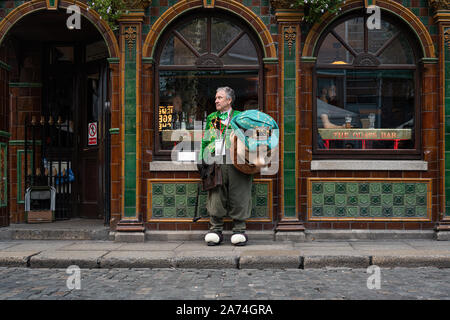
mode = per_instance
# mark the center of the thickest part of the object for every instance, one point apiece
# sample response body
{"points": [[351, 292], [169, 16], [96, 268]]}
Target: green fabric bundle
{"points": [[251, 120]]}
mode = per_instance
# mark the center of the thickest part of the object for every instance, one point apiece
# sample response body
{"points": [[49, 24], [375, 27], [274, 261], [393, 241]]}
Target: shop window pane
{"points": [[243, 52], [332, 51], [352, 32], [175, 52], [378, 37], [222, 32], [398, 52], [362, 109], [186, 96], [195, 33]]}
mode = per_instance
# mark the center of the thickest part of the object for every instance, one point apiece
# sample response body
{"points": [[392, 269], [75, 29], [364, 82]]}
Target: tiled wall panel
{"points": [[175, 200], [369, 199]]}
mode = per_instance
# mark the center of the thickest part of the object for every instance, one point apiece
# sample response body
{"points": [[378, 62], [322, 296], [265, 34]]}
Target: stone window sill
{"points": [[317, 165], [372, 165], [156, 166]]}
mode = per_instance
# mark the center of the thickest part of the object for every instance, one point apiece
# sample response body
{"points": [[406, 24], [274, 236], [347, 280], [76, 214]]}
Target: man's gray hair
{"points": [[229, 93]]}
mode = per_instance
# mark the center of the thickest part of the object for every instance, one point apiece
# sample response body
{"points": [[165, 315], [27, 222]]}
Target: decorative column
{"points": [[442, 18], [289, 56], [131, 225]]}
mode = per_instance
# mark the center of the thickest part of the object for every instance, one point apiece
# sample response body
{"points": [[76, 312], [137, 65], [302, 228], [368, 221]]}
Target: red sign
{"points": [[92, 134]]}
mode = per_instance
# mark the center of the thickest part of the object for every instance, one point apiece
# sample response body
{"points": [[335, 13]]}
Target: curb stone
{"points": [[337, 261], [411, 261]]}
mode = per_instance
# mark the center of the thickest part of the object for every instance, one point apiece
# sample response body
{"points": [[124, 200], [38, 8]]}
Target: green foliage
{"points": [[109, 10], [315, 9]]}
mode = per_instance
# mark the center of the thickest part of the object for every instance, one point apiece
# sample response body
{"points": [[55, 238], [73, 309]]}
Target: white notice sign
{"points": [[92, 134]]}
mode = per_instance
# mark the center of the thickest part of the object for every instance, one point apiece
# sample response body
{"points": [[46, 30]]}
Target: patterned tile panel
{"points": [[175, 200], [369, 199]]}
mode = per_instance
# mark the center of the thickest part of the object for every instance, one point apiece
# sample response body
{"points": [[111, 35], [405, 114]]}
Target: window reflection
{"points": [[188, 96], [379, 102]]}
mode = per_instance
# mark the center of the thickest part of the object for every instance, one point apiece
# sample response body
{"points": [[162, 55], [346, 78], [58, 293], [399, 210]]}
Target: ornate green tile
{"points": [[180, 189], [329, 199], [180, 201], [364, 199], [170, 212], [157, 189], [329, 188], [398, 211], [181, 212], [375, 188], [398, 188], [169, 201], [421, 211], [341, 188], [410, 188], [364, 188], [317, 211], [352, 200], [421, 188], [261, 212], [191, 201], [340, 199], [317, 199], [410, 211], [328, 211], [158, 201], [317, 188], [421, 200], [375, 200], [410, 200], [364, 211], [387, 200], [352, 188], [387, 211], [398, 200], [261, 201], [341, 211], [375, 211], [386, 188], [352, 211], [169, 189], [191, 189], [158, 212]]}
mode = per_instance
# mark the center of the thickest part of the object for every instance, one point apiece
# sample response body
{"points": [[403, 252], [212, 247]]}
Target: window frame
{"points": [[388, 154], [161, 154]]}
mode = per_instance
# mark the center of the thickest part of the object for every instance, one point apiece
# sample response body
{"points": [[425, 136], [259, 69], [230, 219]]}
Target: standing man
{"points": [[233, 197]]}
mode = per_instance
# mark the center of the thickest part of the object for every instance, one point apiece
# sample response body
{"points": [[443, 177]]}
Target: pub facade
{"points": [[360, 97]]}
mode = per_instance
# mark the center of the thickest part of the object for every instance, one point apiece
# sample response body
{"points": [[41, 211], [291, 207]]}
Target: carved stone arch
{"points": [[233, 6], [403, 13], [38, 5]]}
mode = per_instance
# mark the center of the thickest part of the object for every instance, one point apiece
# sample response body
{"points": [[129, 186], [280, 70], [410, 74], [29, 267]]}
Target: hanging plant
{"points": [[315, 9], [109, 10]]}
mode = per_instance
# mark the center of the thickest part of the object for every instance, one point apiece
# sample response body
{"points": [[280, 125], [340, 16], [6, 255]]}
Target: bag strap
{"points": [[226, 129]]}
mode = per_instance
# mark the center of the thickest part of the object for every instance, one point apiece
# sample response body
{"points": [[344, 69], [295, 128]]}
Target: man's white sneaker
{"points": [[239, 239], [213, 238]]}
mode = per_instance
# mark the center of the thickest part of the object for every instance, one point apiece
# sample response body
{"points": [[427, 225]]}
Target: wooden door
{"points": [[91, 145]]}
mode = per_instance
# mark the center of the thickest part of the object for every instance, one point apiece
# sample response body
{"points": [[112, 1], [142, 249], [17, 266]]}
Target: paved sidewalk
{"points": [[258, 254]]}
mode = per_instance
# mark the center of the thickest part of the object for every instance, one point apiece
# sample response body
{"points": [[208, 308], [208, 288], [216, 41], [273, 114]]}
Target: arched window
{"points": [[367, 90], [196, 55]]}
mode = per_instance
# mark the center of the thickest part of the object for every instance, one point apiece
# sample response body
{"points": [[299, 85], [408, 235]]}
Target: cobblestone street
{"points": [[253, 284]]}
